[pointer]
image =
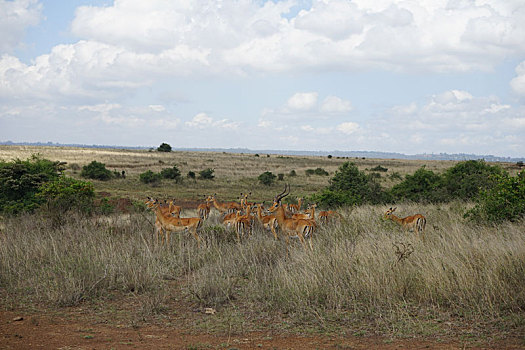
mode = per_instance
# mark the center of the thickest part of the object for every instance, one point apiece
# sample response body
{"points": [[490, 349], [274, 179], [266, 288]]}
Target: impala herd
{"points": [[282, 220]]}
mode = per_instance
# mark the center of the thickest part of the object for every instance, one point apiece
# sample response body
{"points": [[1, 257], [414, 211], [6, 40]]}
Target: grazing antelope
{"points": [[326, 216], [292, 227], [224, 207], [415, 222], [170, 224]]}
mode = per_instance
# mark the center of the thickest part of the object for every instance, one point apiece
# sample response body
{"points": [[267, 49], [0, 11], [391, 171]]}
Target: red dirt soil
{"points": [[73, 330]]}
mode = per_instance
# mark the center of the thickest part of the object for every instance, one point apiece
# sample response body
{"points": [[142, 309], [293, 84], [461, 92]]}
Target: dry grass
{"points": [[365, 273], [460, 273]]}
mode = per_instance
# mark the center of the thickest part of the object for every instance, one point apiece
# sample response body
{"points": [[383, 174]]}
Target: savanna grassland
{"points": [[367, 282]]}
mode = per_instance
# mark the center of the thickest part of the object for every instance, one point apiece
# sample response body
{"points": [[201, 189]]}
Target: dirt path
{"points": [[40, 331]]}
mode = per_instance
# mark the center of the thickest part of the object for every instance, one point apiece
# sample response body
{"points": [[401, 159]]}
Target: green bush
{"points": [[292, 173], [149, 177], [206, 174], [267, 178], [380, 169], [164, 147], [349, 186], [321, 171], [504, 201], [466, 179], [66, 193], [97, 171], [423, 186], [191, 175], [309, 172], [172, 174], [20, 181]]}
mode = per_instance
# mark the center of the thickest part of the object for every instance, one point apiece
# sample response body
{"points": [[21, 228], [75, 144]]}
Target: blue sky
{"points": [[388, 75]]}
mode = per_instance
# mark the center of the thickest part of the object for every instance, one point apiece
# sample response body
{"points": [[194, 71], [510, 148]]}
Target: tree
{"points": [[504, 201], [267, 178], [349, 186], [149, 177], [206, 174], [97, 171], [466, 179], [172, 173], [423, 186], [164, 147], [20, 181]]}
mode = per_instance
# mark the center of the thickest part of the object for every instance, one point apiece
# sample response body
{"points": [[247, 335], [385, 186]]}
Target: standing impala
{"points": [[415, 222], [224, 207], [203, 209], [301, 228], [170, 224]]}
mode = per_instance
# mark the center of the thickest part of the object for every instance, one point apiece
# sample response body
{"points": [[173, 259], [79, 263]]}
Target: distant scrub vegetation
{"points": [[499, 196], [26, 185]]}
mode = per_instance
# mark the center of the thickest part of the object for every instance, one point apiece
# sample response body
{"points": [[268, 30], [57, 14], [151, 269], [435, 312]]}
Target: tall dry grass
{"points": [[365, 269]]}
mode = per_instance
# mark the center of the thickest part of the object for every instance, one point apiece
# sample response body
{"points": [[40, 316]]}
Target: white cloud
{"points": [[348, 127], [518, 83], [16, 16], [202, 121], [302, 101], [334, 104], [157, 108]]}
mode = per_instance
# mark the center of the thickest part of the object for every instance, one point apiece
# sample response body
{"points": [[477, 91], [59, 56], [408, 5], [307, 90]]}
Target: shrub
{"points": [[292, 173], [191, 175], [329, 156], [149, 177], [349, 186], [466, 179], [267, 178], [97, 171], [20, 181], [309, 172], [380, 169], [423, 186], [321, 171], [67, 193], [164, 147], [206, 174], [504, 201], [171, 173], [280, 177]]}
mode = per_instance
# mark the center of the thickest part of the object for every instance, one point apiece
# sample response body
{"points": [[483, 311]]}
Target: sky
{"points": [[408, 76]]}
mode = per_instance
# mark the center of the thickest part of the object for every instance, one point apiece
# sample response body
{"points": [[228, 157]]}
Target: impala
{"points": [[170, 224], [224, 207], [166, 209], [292, 227], [295, 208], [308, 213], [243, 223], [415, 222], [203, 210], [326, 215], [269, 222], [244, 200]]}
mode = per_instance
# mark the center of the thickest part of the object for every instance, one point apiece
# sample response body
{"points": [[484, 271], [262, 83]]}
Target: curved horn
{"points": [[280, 195]]}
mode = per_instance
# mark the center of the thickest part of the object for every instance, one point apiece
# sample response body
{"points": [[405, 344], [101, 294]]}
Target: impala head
{"points": [[389, 212], [277, 199]]}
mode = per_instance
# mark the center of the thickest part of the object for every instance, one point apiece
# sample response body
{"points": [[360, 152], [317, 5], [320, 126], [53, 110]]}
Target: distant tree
{"points": [[97, 171], [164, 147], [267, 178], [149, 177], [171, 173], [206, 174], [466, 179]]}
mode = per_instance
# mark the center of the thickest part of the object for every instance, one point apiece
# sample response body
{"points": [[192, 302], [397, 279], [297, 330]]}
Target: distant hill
{"points": [[335, 153]]}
